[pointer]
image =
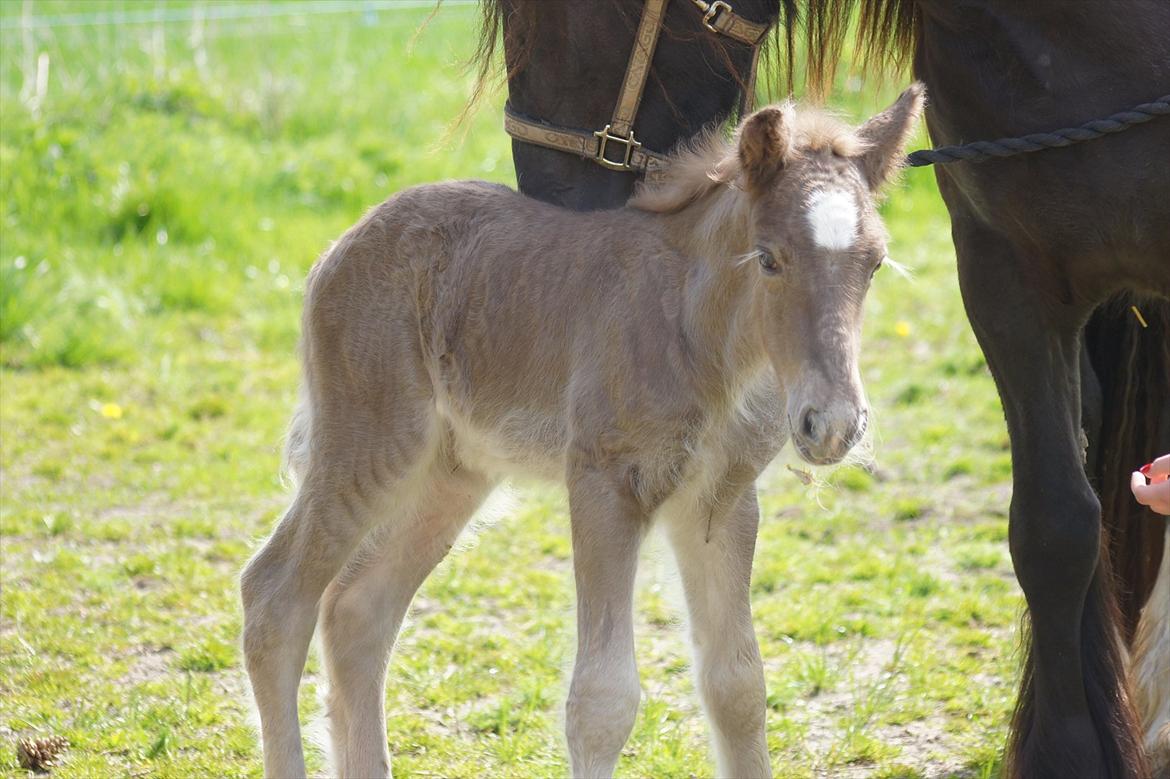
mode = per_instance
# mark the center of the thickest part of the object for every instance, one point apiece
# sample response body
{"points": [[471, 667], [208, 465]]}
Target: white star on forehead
{"points": [[832, 215]]}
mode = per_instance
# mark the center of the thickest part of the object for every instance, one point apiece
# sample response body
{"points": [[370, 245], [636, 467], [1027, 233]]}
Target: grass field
{"points": [[165, 187]]}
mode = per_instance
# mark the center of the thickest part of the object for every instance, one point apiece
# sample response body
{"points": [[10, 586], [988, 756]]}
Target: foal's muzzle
{"points": [[822, 440]]}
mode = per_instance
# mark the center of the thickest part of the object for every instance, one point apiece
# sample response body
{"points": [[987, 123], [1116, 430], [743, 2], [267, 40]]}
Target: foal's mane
{"points": [[710, 161]]}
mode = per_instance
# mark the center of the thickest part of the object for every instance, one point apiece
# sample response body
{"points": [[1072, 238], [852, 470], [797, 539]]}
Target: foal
{"points": [[655, 358]]}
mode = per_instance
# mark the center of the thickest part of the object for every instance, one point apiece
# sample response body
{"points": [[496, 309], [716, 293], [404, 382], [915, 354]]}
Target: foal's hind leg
{"points": [[363, 609], [714, 553], [608, 526], [348, 487]]}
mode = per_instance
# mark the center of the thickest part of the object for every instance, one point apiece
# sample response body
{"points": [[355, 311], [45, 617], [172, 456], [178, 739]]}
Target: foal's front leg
{"points": [[714, 549], [608, 526]]}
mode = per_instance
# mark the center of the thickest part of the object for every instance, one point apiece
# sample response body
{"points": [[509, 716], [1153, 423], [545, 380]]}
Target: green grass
{"points": [[162, 201]]}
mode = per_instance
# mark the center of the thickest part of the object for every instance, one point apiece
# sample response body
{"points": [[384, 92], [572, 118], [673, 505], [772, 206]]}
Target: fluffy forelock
{"points": [[710, 159]]}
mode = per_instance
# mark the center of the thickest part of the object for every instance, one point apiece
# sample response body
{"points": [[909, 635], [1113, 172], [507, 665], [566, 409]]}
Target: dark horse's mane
{"points": [[886, 34], [524, 16]]}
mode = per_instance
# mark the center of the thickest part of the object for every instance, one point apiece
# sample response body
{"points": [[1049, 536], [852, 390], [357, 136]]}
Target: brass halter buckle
{"points": [[710, 11], [605, 136]]}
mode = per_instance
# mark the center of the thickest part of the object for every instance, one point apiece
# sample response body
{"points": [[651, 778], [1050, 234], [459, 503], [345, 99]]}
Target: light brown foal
{"points": [[654, 358]]}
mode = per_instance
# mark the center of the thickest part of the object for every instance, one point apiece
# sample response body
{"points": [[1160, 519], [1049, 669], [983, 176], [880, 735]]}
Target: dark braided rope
{"points": [[978, 151]]}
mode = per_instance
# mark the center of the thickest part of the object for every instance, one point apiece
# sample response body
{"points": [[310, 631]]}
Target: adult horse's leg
{"points": [[1074, 717], [607, 526], [714, 549], [363, 608]]}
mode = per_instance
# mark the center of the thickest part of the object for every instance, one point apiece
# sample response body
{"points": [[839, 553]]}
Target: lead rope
{"points": [[979, 151]]}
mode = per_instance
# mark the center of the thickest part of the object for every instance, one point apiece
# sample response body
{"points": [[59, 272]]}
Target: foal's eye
{"points": [[877, 267], [767, 260]]}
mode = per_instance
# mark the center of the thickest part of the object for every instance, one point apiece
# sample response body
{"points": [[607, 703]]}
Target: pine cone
{"points": [[39, 754]]}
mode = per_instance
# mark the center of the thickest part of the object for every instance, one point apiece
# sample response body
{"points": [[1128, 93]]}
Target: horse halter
{"points": [[614, 146]]}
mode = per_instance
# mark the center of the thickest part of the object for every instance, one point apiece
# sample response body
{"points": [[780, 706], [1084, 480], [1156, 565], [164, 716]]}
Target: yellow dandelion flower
{"points": [[902, 329], [111, 411]]}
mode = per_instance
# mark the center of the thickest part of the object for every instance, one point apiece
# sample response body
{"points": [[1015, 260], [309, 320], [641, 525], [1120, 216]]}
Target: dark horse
{"points": [[1052, 248]]}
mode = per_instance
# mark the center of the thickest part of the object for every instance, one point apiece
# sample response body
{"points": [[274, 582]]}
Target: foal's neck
{"points": [[722, 297], [714, 227]]}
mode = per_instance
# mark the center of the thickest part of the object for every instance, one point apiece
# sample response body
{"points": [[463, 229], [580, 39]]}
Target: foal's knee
{"points": [[340, 608], [599, 716], [733, 691], [352, 624], [271, 603], [256, 591]]}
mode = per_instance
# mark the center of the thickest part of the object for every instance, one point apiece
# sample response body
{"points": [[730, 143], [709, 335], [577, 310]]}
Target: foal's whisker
{"points": [[897, 267], [744, 259]]}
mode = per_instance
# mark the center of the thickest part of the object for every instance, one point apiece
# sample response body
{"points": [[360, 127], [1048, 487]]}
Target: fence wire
{"points": [[205, 13]]}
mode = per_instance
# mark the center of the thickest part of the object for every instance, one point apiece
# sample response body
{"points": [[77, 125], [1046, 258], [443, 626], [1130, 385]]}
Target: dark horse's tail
{"points": [[1131, 364], [1126, 384]]}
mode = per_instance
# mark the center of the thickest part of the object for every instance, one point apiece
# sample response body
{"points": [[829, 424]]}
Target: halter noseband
{"points": [[614, 146]]}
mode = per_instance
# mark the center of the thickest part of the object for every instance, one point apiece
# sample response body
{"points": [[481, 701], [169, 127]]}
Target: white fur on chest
{"points": [[751, 431]]}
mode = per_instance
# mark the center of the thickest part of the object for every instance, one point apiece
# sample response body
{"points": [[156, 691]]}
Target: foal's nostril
{"points": [[810, 426], [857, 430]]}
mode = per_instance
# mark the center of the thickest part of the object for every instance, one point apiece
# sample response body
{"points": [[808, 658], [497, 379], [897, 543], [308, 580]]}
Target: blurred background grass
{"points": [[167, 180], [170, 168]]}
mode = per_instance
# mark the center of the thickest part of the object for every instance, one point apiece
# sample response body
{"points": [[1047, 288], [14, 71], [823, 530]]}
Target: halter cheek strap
{"points": [[718, 17], [614, 146]]}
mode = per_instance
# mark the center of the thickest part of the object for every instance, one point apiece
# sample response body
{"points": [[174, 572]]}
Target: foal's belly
{"points": [[520, 444]]}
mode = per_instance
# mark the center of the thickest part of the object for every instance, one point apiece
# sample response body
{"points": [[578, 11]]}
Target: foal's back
{"points": [[493, 254], [507, 311]]}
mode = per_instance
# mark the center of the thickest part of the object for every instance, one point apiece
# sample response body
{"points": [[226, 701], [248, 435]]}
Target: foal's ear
{"points": [[765, 141], [887, 133]]}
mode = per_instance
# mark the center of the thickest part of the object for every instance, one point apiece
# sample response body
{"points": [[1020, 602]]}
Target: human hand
{"points": [[1156, 494]]}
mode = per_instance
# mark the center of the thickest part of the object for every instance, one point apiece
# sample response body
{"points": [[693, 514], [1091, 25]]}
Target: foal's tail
{"points": [[1131, 363], [1132, 367], [296, 443]]}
